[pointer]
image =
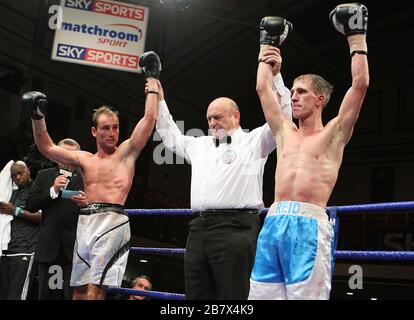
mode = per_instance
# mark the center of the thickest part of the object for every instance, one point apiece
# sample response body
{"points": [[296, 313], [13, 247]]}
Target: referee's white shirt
{"points": [[229, 176]]}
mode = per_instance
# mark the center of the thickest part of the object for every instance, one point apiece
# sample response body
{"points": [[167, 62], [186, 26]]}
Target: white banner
{"points": [[99, 33]]}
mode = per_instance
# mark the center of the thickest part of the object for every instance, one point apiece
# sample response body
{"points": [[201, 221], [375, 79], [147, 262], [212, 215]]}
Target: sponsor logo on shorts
{"points": [[288, 207]]}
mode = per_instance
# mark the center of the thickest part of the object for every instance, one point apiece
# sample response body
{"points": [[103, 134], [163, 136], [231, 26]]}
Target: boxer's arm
{"points": [[143, 130], [276, 105], [37, 103], [352, 20], [151, 66], [268, 98], [352, 102], [46, 146]]}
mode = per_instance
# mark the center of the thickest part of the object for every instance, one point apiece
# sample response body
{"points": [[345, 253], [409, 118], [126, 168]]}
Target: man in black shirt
{"points": [[16, 262]]}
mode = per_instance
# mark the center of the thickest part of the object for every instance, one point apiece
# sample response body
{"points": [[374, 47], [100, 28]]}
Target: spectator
{"points": [[57, 230], [17, 260], [141, 282]]}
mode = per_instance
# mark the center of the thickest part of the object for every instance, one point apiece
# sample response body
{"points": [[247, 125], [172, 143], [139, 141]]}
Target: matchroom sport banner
{"points": [[99, 33]]}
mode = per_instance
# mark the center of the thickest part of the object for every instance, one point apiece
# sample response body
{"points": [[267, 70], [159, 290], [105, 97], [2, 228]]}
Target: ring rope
{"points": [[375, 255], [338, 254], [159, 211], [157, 250], [149, 294], [372, 207]]}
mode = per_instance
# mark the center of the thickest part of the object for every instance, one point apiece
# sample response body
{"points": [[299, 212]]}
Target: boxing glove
{"points": [[274, 30], [36, 102], [150, 64], [350, 18]]}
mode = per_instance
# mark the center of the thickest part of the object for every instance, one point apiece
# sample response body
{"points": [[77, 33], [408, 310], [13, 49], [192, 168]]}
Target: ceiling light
{"points": [[176, 4]]}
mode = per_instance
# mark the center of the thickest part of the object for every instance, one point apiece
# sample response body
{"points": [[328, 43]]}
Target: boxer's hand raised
{"points": [[154, 86], [274, 30], [272, 57], [150, 64], [350, 18], [36, 102]]}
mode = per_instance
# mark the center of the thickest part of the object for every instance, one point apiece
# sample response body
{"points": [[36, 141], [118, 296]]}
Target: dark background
{"points": [[209, 49]]}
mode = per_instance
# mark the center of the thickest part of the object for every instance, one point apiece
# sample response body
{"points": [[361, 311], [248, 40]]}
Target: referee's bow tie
{"points": [[226, 139]]}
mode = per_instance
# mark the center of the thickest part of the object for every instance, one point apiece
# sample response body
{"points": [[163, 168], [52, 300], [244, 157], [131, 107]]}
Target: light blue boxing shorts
{"points": [[294, 254]]}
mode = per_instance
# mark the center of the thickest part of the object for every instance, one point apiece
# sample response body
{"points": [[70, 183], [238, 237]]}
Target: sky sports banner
{"points": [[101, 33]]}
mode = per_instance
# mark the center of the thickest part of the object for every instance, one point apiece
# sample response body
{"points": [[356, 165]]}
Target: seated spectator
{"points": [[141, 282]]}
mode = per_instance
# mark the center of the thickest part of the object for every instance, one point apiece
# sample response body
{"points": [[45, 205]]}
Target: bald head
{"points": [[19, 164], [20, 173], [224, 103], [223, 116], [69, 142], [70, 145]]}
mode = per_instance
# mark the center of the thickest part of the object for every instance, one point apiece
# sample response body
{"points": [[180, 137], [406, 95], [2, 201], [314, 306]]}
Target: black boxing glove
{"points": [[36, 102], [350, 18], [274, 30], [150, 64]]}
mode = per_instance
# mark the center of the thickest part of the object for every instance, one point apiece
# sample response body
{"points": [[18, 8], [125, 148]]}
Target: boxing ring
{"points": [[334, 214]]}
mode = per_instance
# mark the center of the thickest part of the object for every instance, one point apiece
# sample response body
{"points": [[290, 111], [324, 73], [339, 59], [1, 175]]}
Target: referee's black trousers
{"points": [[219, 256]]}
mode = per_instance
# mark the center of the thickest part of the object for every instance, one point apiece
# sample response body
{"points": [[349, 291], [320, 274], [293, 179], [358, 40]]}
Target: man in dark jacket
{"points": [[54, 250]]}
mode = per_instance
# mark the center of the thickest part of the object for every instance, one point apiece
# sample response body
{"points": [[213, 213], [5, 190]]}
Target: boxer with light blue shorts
{"points": [[294, 248], [294, 253]]}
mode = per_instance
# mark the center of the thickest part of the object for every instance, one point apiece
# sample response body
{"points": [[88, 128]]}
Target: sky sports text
{"points": [[97, 56], [119, 10], [110, 8]]}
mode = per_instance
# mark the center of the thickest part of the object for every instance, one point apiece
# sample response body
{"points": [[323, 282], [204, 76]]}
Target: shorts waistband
{"points": [[98, 207], [297, 208], [225, 212], [7, 253]]}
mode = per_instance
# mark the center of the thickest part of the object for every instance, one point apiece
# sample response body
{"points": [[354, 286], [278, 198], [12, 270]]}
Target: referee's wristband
{"points": [[18, 212], [152, 91]]}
